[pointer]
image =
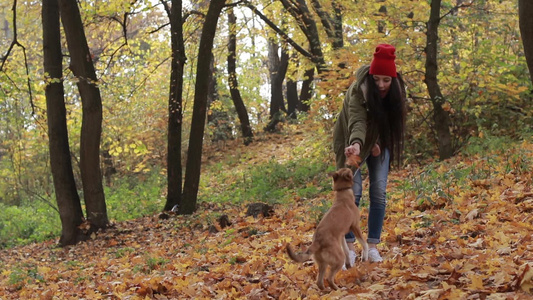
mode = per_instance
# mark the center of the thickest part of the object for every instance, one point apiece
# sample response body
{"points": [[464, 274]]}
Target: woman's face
{"points": [[383, 83]]}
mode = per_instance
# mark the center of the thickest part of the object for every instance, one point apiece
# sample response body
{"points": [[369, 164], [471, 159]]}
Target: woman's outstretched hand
{"points": [[354, 149], [352, 155]]}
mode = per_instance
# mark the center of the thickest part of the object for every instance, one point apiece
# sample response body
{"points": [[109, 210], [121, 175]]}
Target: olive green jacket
{"points": [[351, 125]]}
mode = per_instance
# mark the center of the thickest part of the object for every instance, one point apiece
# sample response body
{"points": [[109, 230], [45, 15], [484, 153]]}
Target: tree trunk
{"points": [[278, 69], [218, 119], [307, 90], [338, 42], [381, 23], [246, 129], [299, 10], [292, 98], [67, 197], [91, 129], [174, 170], [212, 87], [441, 118], [525, 13], [331, 24], [194, 158]]}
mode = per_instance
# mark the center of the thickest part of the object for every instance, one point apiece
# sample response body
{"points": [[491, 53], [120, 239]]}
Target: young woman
{"points": [[371, 125]]}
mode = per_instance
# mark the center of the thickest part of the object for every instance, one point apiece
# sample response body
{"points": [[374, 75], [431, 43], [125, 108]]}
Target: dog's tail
{"points": [[298, 257]]}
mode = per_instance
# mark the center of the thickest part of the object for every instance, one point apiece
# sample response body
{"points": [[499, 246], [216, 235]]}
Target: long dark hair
{"points": [[388, 115]]}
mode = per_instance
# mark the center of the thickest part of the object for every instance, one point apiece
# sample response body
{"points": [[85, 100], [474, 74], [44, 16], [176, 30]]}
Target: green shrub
{"points": [[26, 224], [36, 221], [272, 183], [131, 198]]}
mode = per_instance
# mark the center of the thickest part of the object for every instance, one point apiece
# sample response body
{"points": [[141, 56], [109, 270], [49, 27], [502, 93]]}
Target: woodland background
{"points": [[464, 182]]}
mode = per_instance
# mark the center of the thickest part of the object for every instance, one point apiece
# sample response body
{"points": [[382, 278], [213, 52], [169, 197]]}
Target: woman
{"points": [[371, 125]]}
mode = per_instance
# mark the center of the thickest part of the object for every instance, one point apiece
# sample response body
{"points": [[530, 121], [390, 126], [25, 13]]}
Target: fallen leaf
{"points": [[526, 283]]}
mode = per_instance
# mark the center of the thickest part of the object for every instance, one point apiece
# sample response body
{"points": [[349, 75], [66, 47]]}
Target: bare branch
{"points": [[455, 8], [283, 35], [14, 43], [185, 16]]}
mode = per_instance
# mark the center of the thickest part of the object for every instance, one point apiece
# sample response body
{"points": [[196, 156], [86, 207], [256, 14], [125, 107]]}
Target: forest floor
{"points": [[475, 243]]}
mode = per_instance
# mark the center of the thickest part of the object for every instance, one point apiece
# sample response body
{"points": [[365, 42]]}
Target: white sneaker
{"points": [[352, 256], [373, 255]]}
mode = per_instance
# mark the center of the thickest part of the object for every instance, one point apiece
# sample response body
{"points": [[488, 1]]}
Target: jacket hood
{"points": [[360, 76]]}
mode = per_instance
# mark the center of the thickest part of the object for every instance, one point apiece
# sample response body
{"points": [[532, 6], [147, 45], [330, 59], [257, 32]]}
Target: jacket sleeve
{"points": [[357, 116]]}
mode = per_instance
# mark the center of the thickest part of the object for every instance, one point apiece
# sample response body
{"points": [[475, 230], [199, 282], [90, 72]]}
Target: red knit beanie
{"points": [[383, 62]]}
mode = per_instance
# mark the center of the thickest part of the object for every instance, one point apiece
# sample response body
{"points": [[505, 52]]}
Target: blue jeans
{"points": [[378, 171]]}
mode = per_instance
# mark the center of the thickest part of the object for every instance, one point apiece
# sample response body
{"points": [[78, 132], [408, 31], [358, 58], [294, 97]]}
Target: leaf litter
{"points": [[476, 245]]}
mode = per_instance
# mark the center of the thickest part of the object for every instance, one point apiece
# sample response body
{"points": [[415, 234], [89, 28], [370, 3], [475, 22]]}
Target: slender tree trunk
{"points": [[246, 129], [82, 66], [174, 170], [525, 13], [212, 87], [381, 23], [67, 197], [218, 119], [292, 98], [338, 41], [194, 158], [307, 90], [278, 69], [441, 118], [332, 23], [300, 11]]}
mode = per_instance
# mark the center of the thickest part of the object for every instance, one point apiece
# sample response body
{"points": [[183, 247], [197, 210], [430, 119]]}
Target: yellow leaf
{"points": [[396, 272], [526, 284], [477, 282], [291, 268]]}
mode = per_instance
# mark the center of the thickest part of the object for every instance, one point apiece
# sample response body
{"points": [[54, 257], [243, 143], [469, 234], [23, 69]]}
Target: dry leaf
{"points": [[354, 161], [526, 282]]}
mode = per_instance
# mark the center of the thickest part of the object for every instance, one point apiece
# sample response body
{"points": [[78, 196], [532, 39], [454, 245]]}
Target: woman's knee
{"points": [[378, 193]]}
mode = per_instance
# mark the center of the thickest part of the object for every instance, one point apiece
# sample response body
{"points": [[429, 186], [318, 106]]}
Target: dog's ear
{"points": [[348, 176]]}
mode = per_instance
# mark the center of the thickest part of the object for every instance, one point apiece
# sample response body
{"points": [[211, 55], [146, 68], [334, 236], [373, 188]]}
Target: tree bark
{"points": [[218, 119], [525, 13], [299, 10], [194, 158], [441, 118], [82, 66], [332, 23], [175, 102], [246, 129], [67, 197], [292, 98], [307, 90], [278, 69]]}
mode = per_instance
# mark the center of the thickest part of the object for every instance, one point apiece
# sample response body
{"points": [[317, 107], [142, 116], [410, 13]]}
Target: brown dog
{"points": [[329, 246]]}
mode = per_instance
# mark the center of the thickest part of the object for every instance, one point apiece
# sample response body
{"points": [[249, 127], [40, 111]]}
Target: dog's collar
{"points": [[346, 188]]}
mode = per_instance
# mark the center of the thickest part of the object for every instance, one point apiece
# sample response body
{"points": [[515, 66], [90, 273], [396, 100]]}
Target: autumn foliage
{"points": [[354, 161], [472, 239]]}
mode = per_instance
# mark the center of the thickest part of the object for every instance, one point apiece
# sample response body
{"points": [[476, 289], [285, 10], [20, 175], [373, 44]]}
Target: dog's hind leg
{"points": [[360, 238], [346, 251], [331, 276], [320, 277]]}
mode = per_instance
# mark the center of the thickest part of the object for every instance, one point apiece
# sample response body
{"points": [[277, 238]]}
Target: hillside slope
{"points": [[460, 229]]}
